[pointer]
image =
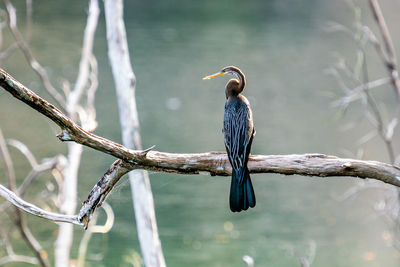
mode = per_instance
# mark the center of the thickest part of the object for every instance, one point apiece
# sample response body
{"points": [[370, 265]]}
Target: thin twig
{"points": [[20, 219], [86, 73], [29, 12], [8, 162], [24, 150], [374, 107], [12, 16], [46, 165], [8, 51], [369, 100], [363, 36], [17, 258], [37, 168], [93, 228], [87, 55], [34, 210], [390, 58]]}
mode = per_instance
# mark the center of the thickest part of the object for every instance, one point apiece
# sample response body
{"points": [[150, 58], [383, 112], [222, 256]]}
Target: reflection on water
{"points": [[283, 50]]}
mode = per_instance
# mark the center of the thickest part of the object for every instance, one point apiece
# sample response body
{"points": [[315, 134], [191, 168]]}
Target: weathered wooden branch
{"points": [[70, 130], [100, 191], [34, 210], [214, 163]]}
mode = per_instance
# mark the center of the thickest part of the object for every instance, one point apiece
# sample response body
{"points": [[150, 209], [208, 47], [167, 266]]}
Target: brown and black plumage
{"points": [[238, 133]]}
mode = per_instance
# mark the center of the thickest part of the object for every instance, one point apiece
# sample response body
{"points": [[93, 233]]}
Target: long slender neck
{"points": [[235, 86], [241, 80]]}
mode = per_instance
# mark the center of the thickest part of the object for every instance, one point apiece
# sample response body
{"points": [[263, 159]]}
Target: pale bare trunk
{"points": [[124, 79], [68, 206]]}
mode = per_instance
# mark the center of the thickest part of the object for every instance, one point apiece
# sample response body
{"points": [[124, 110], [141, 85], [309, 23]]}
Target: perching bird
{"points": [[238, 132]]}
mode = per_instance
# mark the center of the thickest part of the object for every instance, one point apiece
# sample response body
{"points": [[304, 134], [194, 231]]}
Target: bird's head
{"points": [[234, 86]]}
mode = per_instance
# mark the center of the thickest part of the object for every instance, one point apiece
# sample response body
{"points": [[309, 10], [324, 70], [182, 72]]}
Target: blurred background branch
{"points": [[11, 257], [384, 122], [82, 111], [92, 229], [125, 83], [86, 82], [34, 210], [12, 23], [19, 219], [389, 58]]}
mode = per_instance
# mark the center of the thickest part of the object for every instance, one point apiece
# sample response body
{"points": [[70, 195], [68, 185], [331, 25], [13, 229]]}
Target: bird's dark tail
{"points": [[242, 193]]}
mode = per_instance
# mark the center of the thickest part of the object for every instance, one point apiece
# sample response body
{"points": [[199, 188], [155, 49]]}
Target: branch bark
{"points": [[214, 163]]}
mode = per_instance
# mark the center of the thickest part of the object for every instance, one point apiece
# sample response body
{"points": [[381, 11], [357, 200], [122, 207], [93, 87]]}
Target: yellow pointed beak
{"points": [[214, 75]]}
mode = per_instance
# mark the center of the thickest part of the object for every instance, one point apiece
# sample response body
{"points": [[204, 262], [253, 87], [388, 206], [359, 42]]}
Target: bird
{"points": [[238, 132]]}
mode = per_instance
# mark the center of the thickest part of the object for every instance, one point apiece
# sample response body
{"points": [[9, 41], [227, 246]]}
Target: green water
{"points": [[282, 48]]}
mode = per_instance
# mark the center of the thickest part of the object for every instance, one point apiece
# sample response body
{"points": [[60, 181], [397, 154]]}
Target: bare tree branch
{"points": [[47, 164], [87, 55], [363, 92], [215, 163], [87, 119], [20, 219], [4, 54], [34, 210], [68, 205], [95, 229], [17, 258], [385, 128], [100, 191], [390, 58], [12, 17], [34, 245], [29, 11], [8, 162], [70, 130]]}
